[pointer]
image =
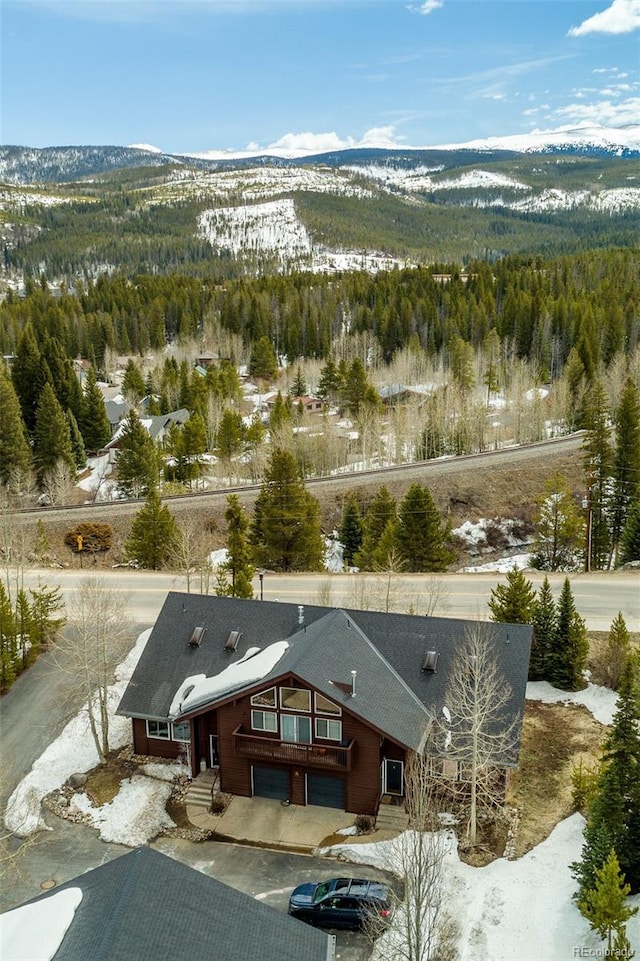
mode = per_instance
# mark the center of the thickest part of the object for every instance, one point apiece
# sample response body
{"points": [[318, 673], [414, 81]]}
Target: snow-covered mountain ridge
{"points": [[19, 164]]}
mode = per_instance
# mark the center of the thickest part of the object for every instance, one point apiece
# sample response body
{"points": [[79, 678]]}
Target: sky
{"points": [[199, 76]]}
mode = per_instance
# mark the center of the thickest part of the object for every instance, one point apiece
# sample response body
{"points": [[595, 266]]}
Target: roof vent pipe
{"points": [[353, 683], [300, 613]]}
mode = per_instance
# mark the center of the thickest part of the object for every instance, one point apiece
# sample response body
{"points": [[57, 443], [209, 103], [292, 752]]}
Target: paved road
{"points": [[598, 595]]}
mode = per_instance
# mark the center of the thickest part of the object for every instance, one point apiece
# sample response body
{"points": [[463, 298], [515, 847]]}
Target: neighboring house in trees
{"points": [[157, 427], [147, 906], [393, 395], [310, 704]]}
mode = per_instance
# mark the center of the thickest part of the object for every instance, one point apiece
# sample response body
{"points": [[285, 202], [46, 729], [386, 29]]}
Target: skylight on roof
{"points": [[232, 641], [430, 662]]}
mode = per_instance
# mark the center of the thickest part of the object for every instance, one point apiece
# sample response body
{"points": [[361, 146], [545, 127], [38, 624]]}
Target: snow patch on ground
{"points": [[518, 562], [509, 910], [601, 701], [136, 814], [72, 752]]}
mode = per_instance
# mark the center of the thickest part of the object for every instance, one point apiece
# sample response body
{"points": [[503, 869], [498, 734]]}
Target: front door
{"points": [[392, 777], [214, 760]]}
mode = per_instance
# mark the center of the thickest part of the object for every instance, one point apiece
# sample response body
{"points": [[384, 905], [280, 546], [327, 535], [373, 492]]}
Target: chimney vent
{"points": [[300, 613], [353, 683]]}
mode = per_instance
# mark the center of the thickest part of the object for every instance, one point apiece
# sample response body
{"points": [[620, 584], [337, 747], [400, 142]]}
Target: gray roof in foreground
{"points": [[387, 651], [145, 906]]}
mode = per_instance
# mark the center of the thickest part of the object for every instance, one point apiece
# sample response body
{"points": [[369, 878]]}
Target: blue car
{"points": [[343, 903]]}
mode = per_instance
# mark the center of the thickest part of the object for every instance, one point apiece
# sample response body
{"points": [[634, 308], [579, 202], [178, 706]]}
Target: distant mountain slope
{"points": [[135, 210]]}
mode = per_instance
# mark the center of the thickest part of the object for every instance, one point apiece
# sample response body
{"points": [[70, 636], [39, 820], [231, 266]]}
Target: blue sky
{"points": [[201, 75]]}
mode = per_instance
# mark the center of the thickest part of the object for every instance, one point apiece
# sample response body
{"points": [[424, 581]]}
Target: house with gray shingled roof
{"points": [[147, 906], [308, 704]]}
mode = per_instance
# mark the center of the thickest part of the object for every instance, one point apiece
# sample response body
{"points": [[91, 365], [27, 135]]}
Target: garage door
{"points": [[326, 791], [271, 782]]}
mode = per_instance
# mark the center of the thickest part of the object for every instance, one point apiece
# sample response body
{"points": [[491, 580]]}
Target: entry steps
{"points": [[202, 788], [391, 815]]}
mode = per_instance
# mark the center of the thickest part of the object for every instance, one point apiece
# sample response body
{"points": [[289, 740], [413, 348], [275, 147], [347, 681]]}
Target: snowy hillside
{"points": [[273, 230]]}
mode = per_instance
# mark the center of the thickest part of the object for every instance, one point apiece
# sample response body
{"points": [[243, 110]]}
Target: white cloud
{"points": [[427, 7], [623, 16], [308, 142], [603, 112]]}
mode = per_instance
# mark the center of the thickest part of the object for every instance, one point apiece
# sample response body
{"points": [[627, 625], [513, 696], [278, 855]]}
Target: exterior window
{"points": [[297, 729], [158, 729], [326, 728], [264, 721], [265, 698], [325, 706], [181, 731], [295, 699]]}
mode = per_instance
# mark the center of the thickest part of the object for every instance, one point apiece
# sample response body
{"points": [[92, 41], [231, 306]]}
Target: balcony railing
{"points": [[331, 757]]}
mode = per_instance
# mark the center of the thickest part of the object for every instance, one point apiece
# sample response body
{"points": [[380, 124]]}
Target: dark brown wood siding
{"points": [[153, 746]]}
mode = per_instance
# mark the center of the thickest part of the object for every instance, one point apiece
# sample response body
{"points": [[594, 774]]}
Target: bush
{"points": [[364, 823], [89, 538]]}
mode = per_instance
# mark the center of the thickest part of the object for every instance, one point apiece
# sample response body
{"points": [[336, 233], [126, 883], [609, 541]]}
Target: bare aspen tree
{"points": [[324, 593], [58, 484], [191, 554], [96, 638], [430, 597], [477, 733], [423, 928]]}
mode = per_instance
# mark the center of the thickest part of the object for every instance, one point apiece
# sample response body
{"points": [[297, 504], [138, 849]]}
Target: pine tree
{"points": [[630, 541], [380, 513], [46, 602], [350, 530], [15, 453], [329, 383], [154, 534], [604, 906], [94, 423], [567, 657], [263, 362], [133, 385], [281, 414], [237, 567], [559, 527], [285, 532], [617, 651], [77, 443], [513, 602], [626, 459], [51, 438], [421, 537], [192, 444], [614, 814], [28, 375], [544, 624], [355, 387], [27, 646], [598, 463], [138, 461], [298, 387], [8, 647]]}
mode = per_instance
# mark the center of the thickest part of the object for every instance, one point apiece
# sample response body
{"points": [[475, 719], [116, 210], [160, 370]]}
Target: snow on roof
{"points": [[252, 667], [34, 932]]}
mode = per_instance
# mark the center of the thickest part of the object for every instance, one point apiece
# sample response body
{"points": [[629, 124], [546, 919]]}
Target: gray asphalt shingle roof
{"points": [[393, 693], [145, 906]]}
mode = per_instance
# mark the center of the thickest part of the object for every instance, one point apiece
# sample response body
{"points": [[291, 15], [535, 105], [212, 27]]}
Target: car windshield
{"points": [[321, 891]]}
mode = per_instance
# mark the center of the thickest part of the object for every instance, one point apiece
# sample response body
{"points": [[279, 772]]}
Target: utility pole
{"points": [[586, 504]]}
